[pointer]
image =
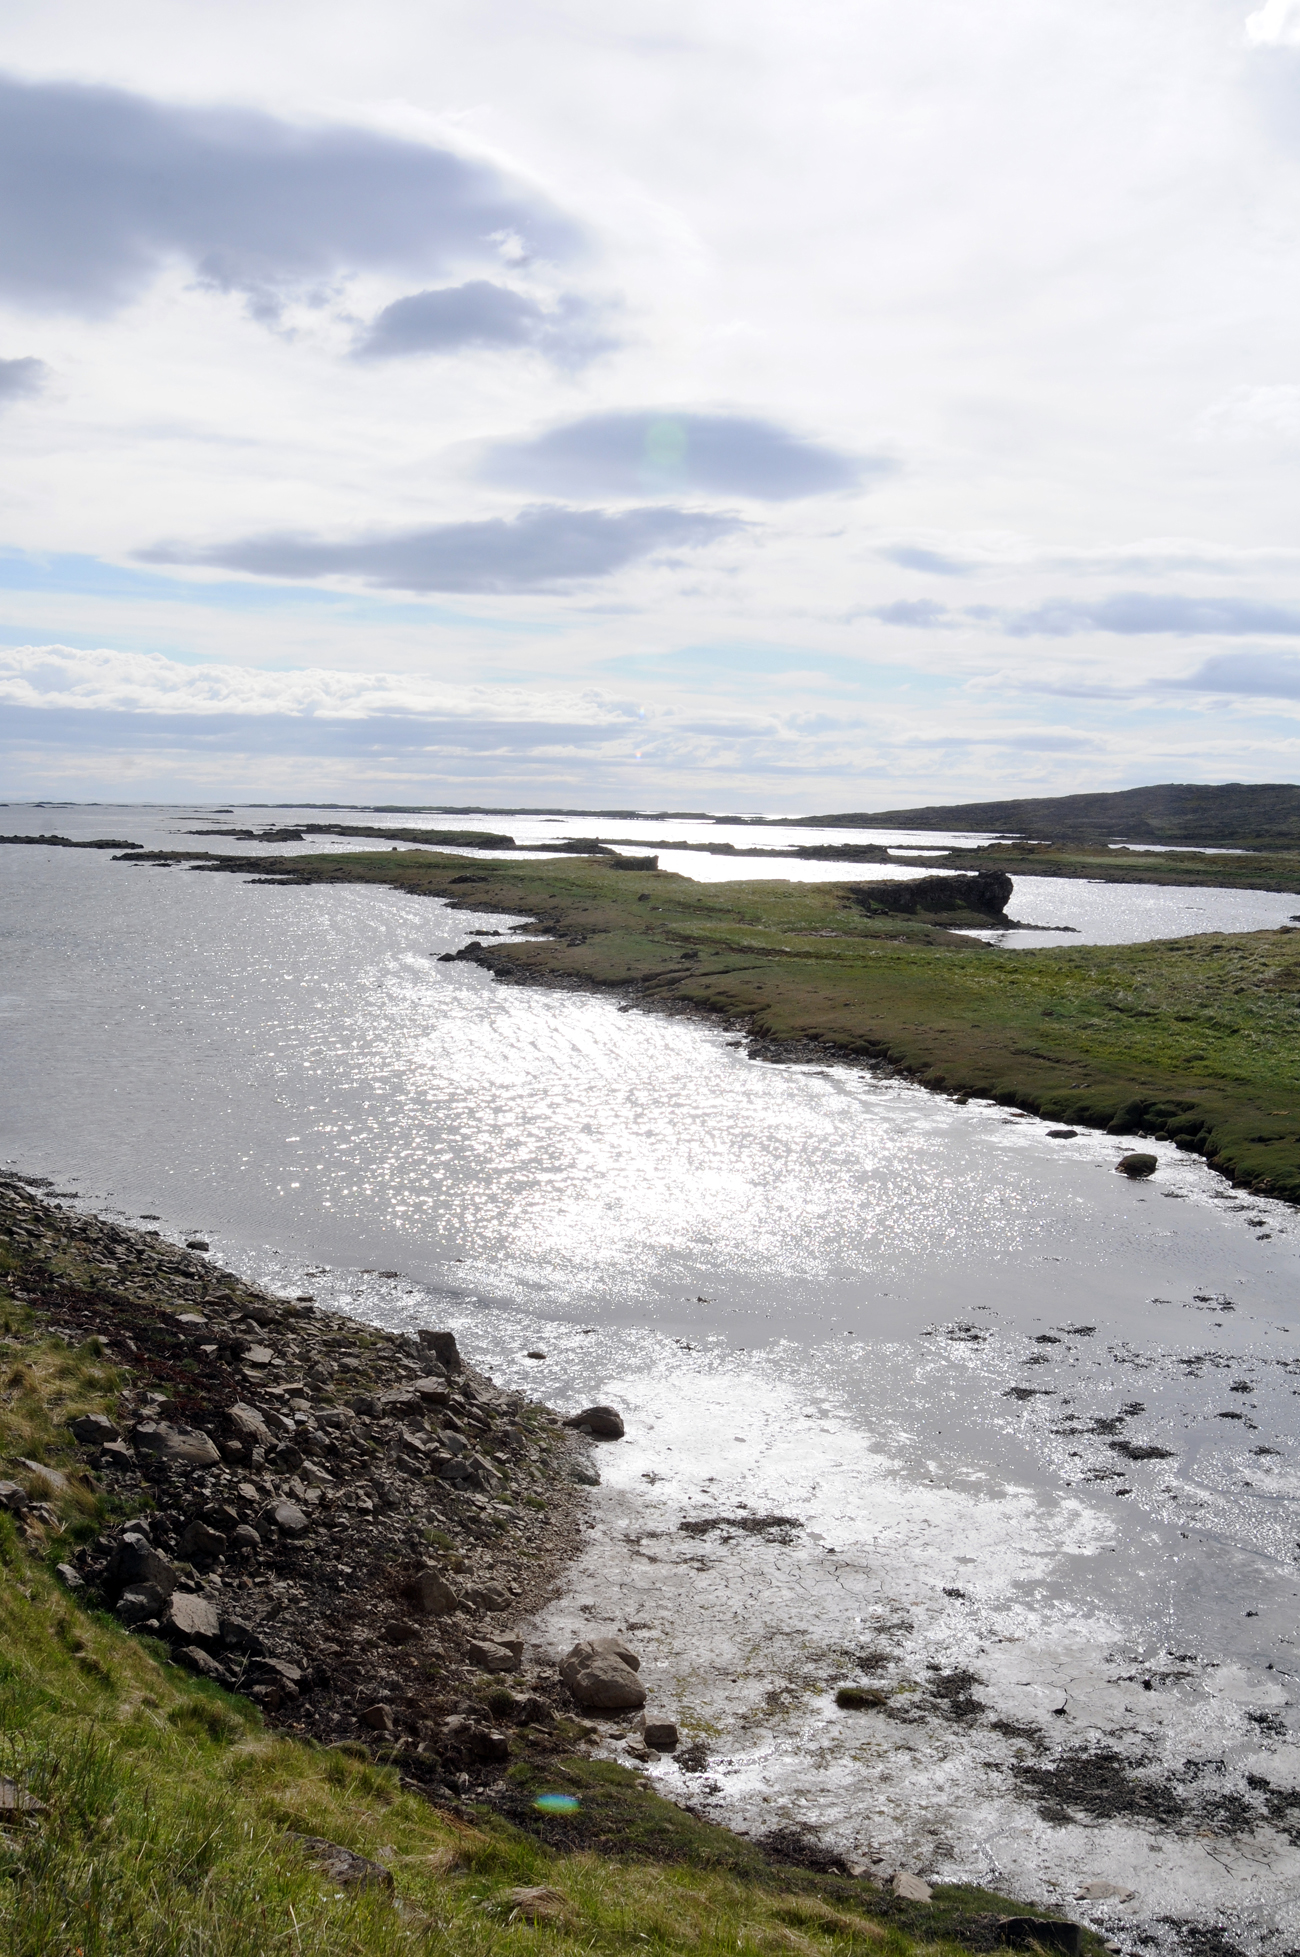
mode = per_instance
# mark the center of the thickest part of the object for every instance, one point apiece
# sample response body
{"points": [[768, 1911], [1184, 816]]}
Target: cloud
{"points": [[535, 551], [1269, 674], [20, 378], [647, 452], [1275, 24], [1138, 612], [481, 314], [1128, 613], [917, 557], [100, 188]]}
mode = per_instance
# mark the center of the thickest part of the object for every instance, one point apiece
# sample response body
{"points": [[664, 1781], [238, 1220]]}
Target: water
{"points": [[812, 1293]]}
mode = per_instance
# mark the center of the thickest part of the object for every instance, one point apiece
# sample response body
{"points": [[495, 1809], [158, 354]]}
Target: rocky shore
{"points": [[342, 1524]]}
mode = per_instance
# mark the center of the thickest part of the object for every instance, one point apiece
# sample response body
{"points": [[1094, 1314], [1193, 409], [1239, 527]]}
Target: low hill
{"points": [[1172, 812]]}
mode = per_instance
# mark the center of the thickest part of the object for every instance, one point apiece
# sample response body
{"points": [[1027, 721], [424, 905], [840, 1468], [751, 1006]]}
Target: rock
{"points": [[183, 1446], [399, 1631], [191, 1619], [1040, 1933], [13, 1498], [135, 1561], [68, 1577], [16, 1800], [280, 1424], [491, 1656], [584, 1472], [50, 1476], [288, 1458], [637, 1747], [117, 1454], [661, 1734], [245, 1537], [606, 1423], [535, 1905], [196, 1243], [1135, 1166], [196, 1659], [238, 1636], [860, 1698], [602, 1673], [444, 1349], [201, 1542], [429, 1592], [290, 1521], [93, 1428], [911, 1888], [140, 1603], [486, 1596], [247, 1425], [378, 1717], [1061, 1134], [486, 1743], [988, 892], [454, 1468], [434, 1392], [280, 1671], [341, 1866]]}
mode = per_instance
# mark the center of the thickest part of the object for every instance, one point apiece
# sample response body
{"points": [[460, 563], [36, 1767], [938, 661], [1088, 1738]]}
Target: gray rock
{"points": [[13, 1498], [584, 1472], [486, 1596], [1137, 1166], [238, 1636], [661, 1734], [68, 1577], [280, 1424], [247, 1424], [245, 1537], [399, 1630], [377, 1717], [429, 1592], [196, 1659], [444, 1349], [491, 1655], [191, 1619], [117, 1454], [606, 1423], [340, 1865], [601, 1672], [911, 1888], [136, 1561], [454, 1468], [290, 1521], [140, 1603], [434, 1392], [50, 1476], [202, 1542], [184, 1446], [90, 1428]]}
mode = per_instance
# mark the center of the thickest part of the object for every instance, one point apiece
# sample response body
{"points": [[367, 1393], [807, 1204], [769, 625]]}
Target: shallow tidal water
{"points": [[940, 1345]]}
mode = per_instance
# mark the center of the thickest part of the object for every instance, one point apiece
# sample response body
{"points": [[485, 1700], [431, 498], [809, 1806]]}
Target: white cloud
{"points": [[1274, 25]]}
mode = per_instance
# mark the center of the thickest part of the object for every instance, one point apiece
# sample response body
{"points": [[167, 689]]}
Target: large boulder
{"points": [[134, 1562], [429, 1592], [93, 1429], [602, 1673], [443, 1347], [181, 1447], [1138, 1165], [987, 893], [606, 1423], [191, 1620]]}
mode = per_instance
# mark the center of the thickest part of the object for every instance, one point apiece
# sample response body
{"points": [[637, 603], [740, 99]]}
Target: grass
{"points": [[1194, 1039]]}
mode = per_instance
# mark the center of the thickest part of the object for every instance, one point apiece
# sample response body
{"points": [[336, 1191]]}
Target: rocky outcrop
{"points": [[602, 1673], [987, 893]]}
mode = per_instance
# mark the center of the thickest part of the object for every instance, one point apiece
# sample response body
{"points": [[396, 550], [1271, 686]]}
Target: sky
{"points": [[758, 407]]}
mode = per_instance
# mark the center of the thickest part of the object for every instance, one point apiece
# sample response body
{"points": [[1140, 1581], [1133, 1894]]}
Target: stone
{"points": [[68, 1577], [196, 1659], [1061, 1134], [606, 1423], [16, 1800], [491, 1656], [50, 1476], [399, 1630], [661, 1734], [429, 1592], [911, 1888], [290, 1521], [288, 1458], [535, 1905], [280, 1424], [245, 1537], [601, 1673], [187, 1447], [258, 1355], [201, 1542], [247, 1424], [454, 1468], [341, 1866], [117, 1454], [191, 1619], [434, 1392], [584, 1472], [13, 1498], [238, 1636], [444, 1349], [378, 1717], [486, 1596], [93, 1428], [860, 1698], [1136, 1166], [1040, 1933], [140, 1603], [136, 1561]]}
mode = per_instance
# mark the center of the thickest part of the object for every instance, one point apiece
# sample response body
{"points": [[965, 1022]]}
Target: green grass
{"points": [[1196, 1039]]}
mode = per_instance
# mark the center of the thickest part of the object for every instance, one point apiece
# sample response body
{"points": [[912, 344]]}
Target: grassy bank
{"points": [[1194, 1039], [145, 1812]]}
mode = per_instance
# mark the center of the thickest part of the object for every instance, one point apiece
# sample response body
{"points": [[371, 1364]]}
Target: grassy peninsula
{"points": [[150, 1810], [1196, 1039]]}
